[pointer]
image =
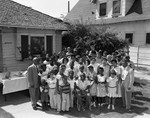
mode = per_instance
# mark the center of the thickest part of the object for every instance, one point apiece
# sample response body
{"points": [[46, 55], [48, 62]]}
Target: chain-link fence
{"points": [[140, 55]]}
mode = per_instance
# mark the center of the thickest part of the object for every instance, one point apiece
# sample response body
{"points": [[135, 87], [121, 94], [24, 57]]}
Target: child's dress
{"points": [[101, 87], [44, 93], [92, 79], [112, 86]]}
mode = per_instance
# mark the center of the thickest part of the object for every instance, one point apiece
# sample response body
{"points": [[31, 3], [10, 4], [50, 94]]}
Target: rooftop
{"points": [[13, 14], [140, 10]]}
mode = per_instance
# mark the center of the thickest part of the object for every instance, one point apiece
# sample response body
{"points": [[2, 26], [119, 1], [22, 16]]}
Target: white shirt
{"points": [[100, 78], [83, 84], [72, 82], [124, 72], [49, 67], [51, 82], [112, 81]]}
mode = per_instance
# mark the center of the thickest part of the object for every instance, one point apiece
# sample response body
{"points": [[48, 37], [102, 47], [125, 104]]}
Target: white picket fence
{"points": [[140, 55]]}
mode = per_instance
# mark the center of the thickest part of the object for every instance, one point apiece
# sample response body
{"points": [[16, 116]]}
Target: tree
{"points": [[81, 36]]}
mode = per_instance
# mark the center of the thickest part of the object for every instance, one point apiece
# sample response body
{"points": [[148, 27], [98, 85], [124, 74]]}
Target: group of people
{"points": [[68, 80]]}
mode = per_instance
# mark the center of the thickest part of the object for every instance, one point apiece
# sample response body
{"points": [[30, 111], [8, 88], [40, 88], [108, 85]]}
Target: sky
{"points": [[51, 7]]}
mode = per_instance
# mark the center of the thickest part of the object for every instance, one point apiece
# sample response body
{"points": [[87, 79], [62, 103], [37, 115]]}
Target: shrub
{"points": [[82, 36]]}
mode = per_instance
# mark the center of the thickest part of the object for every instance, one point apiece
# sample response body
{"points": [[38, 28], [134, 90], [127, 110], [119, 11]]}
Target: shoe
{"points": [[34, 108], [78, 107], [38, 105], [113, 108], [128, 109], [108, 107], [58, 111]]}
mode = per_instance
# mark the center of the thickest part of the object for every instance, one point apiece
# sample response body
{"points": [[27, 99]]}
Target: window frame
{"points": [[103, 2], [116, 14], [40, 35], [132, 37], [146, 38]]}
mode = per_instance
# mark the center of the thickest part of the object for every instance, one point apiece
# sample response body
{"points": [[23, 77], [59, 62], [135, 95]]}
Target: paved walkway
{"points": [[18, 104]]}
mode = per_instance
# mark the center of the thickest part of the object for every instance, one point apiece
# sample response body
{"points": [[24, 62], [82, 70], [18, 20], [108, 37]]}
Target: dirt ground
{"points": [[18, 104]]}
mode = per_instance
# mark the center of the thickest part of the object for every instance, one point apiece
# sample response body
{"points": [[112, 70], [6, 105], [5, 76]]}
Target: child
{"points": [[43, 72], [65, 90], [118, 72], [72, 81], [52, 85], [83, 91], [93, 88], [44, 94], [112, 89], [101, 87]]}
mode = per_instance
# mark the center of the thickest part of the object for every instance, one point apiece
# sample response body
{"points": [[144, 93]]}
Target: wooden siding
{"points": [[11, 39], [58, 42]]}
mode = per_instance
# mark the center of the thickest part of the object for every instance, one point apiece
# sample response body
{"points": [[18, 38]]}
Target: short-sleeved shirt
{"points": [[100, 78], [83, 84], [72, 82], [51, 83], [112, 82]]}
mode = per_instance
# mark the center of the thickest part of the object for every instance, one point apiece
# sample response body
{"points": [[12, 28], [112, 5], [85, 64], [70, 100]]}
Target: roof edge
{"points": [[33, 27]]}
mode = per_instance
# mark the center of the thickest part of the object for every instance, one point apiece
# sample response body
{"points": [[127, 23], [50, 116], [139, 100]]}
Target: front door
{"points": [[49, 42], [1, 55]]}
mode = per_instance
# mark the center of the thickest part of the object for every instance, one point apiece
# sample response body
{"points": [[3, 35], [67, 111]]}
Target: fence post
{"points": [[138, 56]]}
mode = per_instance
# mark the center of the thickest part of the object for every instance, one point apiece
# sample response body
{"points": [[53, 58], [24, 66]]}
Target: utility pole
{"points": [[68, 6]]}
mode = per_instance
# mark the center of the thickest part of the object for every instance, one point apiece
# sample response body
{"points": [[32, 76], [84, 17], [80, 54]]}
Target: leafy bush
{"points": [[83, 36]]}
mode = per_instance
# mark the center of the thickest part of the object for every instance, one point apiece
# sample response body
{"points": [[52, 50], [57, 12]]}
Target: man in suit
{"points": [[127, 84], [32, 74]]}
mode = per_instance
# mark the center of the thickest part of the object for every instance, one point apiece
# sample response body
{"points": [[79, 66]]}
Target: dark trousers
{"points": [[34, 95]]}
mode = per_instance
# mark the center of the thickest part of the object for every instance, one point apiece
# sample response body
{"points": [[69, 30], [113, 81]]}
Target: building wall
{"points": [[138, 28], [58, 42], [84, 10], [1, 54], [11, 39], [88, 11]]}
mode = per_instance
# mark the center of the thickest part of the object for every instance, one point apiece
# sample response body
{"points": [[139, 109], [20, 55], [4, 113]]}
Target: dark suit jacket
{"points": [[32, 74]]}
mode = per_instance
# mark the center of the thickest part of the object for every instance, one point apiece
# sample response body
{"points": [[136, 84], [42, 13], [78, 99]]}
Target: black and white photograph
{"points": [[74, 58]]}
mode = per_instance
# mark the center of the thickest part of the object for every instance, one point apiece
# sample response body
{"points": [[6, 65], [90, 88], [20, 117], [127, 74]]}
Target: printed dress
{"points": [[101, 88], [112, 86], [92, 79]]}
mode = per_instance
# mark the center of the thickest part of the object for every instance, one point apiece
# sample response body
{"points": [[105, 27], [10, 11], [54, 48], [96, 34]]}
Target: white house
{"points": [[130, 18], [26, 32]]}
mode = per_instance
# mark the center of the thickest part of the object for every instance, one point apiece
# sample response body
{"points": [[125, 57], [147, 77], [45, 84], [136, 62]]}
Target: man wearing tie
{"points": [[32, 74], [127, 84]]}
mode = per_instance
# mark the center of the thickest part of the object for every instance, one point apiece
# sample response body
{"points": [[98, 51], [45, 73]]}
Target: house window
{"points": [[148, 38], [37, 45], [116, 7], [102, 9], [129, 36]]}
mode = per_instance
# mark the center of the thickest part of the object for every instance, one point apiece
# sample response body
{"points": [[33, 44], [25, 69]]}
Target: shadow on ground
{"points": [[14, 98], [140, 68], [140, 104], [5, 114]]}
